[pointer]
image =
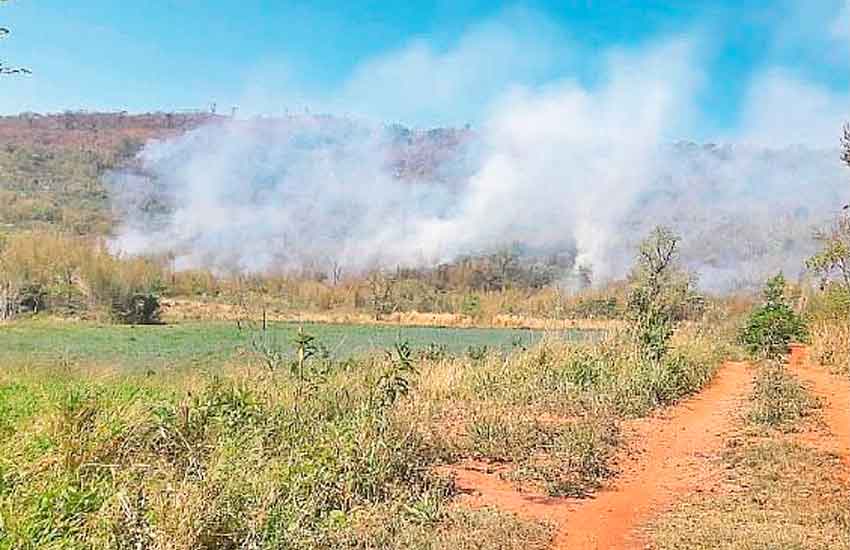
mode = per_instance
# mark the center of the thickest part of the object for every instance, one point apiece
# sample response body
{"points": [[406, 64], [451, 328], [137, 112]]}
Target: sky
{"points": [[429, 63]]}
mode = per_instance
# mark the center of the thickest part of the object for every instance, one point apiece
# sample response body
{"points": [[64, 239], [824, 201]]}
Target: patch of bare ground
{"points": [[834, 393], [666, 456], [783, 487]]}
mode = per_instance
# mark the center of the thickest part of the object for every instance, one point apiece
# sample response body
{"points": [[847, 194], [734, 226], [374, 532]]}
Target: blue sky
{"points": [[374, 58]]}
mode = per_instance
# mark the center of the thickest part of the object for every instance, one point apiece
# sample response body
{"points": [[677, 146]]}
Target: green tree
{"points": [[660, 293], [774, 324]]}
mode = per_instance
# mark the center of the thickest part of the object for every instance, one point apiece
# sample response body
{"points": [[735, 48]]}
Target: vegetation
{"points": [[829, 309], [832, 263], [246, 432], [49, 271], [774, 324], [660, 294], [782, 495], [329, 452], [776, 491], [779, 400]]}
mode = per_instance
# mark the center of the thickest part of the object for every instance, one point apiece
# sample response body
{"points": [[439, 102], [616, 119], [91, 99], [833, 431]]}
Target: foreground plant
{"points": [[774, 324]]}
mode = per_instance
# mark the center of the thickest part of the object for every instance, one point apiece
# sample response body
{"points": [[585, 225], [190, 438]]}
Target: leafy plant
{"points": [[396, 380], [471, 305], [774, 324]]}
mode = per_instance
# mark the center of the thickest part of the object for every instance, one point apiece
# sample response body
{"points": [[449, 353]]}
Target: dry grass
{"points": [[334, 456], [183, 309], [553, 413], [831, 344], [775, 495], [774, 491]]}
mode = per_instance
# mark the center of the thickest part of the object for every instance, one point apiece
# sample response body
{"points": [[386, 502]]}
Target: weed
{"points": [[779, 400]]}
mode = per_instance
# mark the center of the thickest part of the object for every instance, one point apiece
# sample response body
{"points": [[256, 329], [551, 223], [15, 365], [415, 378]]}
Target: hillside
{"points": [[51, 166]]}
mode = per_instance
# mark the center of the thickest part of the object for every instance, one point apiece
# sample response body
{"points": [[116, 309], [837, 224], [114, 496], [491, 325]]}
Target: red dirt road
{"points": [[834, 393], [669, 456]]}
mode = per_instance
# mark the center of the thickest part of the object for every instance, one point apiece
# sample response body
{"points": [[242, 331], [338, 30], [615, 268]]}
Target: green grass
{"points": [[215, 343], [339, 454]]}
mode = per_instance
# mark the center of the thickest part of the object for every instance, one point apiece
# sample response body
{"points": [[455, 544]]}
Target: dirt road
{"points": [[834, 392], [669, 455]]}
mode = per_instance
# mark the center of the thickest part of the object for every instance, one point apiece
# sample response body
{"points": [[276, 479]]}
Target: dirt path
{"points": [[834, 392], [669, 456]]}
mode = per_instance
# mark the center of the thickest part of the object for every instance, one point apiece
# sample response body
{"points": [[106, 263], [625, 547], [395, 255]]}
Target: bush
{"points": [[661, 293], [779, 401], [136, 308], [773, 325]]}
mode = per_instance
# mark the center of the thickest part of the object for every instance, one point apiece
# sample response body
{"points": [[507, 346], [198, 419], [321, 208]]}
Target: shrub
{"points": [[779, 401], [773, 325], [136, 308], [471, 305], [660, 295]]}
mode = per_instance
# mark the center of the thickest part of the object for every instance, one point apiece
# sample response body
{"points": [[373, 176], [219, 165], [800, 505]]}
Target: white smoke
{"points": [[561, 166]]}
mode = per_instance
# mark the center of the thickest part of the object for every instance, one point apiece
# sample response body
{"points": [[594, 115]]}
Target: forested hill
{"points": [[52, 166]]}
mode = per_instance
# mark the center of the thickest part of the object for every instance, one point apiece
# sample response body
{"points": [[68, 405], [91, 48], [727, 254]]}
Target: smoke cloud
{"points": [[563, 166]]}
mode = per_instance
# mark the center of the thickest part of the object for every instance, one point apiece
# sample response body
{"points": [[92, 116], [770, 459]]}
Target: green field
{"points": [[159, 346]]}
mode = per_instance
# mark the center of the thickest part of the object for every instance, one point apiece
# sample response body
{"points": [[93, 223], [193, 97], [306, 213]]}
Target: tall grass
{"points": [[830, 344], [335, 454], [198, 461], [553, 412]]}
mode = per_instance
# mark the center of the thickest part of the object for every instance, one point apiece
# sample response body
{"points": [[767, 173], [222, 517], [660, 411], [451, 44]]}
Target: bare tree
{"points": [[845, 145]]}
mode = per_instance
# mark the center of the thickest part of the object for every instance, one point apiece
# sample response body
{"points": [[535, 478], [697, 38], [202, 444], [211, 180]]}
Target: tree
{"points": [[661, 291], [773, 325], [832, 262], [5, 69]]}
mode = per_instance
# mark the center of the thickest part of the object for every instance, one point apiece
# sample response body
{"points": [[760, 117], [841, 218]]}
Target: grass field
{"points": [[215, 343], [339, 454]]}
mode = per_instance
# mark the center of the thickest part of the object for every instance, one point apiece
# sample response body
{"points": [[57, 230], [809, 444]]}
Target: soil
{"points": [[668, 456], [833, 391]]}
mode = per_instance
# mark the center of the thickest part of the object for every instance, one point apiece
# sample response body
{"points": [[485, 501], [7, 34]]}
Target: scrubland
{"points": [[217, 426]]}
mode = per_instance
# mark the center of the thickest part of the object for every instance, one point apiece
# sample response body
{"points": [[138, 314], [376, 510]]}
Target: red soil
{"points": [[669, 456], [834, 393]]}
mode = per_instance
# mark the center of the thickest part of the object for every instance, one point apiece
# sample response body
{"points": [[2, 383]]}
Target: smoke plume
{"points": [[567, 165]]}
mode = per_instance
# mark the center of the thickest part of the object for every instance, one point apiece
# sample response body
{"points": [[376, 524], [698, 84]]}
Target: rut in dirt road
{"points": [[834, 393], [669, 455]]}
